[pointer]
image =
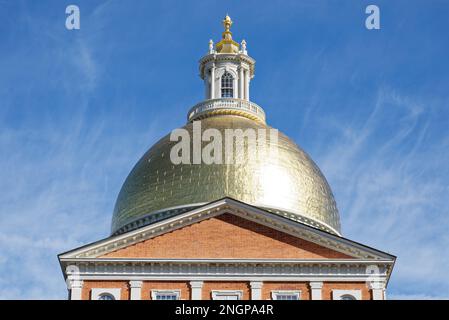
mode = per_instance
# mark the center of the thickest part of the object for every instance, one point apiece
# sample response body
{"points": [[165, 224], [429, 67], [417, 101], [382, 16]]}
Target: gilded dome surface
{"points": [[289, 184]]}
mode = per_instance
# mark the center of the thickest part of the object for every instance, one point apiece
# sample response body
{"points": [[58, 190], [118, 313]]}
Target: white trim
{"points": [[278, 278], [338, 294], [155, 292], [264, 261], [216, 294], [95, 293], [275, 293], [318, 270]]}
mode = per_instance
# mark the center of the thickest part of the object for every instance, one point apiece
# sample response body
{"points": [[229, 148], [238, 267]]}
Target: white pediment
{"points": [[240, 209]]}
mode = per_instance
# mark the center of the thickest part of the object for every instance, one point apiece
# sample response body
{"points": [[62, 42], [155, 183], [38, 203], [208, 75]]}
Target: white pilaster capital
{"points": [[256, 290], [135, 284], [315, 288], [196, 284], [256, 284], [75, 284], [316, 284], [376, 285]]}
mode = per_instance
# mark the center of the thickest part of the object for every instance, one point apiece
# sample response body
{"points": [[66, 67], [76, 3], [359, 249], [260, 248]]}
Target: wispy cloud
{"points": [[77, 109], [391, 186]]}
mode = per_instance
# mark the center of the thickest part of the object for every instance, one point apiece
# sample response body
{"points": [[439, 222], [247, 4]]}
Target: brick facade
{"points": [[273, 286], [329, 286], [89, 285], [209, 286], [183, 286], [227, 236]]}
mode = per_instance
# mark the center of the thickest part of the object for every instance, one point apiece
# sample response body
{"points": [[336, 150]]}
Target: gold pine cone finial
{"points": [[227, 45], [227, 23]]}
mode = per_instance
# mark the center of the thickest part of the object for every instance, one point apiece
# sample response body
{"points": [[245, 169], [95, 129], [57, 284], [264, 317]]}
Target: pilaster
{"points": [[136, 290], [197, 289], [256, 290], [315, 290]]}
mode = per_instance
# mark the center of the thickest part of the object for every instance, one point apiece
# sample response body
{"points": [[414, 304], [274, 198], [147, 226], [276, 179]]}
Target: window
{"points": [[106, 296], [165, 294], [227, 85], [346, 295], [285, 295], [227, 295]]}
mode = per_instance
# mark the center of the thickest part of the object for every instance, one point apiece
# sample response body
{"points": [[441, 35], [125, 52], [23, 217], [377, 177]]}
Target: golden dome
{"points": [[289, 184]]}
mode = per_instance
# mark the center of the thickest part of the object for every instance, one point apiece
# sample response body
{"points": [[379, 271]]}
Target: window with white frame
{"points": [[105, 294], [285, 295], [165, 294], [227, 85], [346, 294], [227, 294]]}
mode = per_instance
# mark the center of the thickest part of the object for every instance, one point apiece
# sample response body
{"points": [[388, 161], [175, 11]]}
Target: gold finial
{"points": [[227, 23], [227, 45]]}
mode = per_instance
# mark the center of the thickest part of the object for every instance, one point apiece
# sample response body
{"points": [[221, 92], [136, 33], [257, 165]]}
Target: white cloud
{"points": [[391, 188]]}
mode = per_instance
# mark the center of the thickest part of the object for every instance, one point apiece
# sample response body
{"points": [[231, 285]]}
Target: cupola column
{"points": [[212, 81], [241, 82], [247, 84]]}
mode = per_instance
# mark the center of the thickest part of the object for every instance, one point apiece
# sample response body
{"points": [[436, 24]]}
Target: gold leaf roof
{"points": [[289, 184]]}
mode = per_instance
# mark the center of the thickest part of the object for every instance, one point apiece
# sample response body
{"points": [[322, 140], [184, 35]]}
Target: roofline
{"points": [[224, 200], [227, 260]]}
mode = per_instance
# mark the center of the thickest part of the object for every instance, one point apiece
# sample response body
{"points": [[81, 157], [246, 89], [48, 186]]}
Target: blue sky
{"points": [[79, 108]]}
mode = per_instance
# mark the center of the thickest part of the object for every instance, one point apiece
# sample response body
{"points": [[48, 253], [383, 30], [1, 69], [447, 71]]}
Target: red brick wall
{"points": [[329, 286], [208, 286], [184, 286], [226, 236], [218, 285], [88, 285], [273, 286]]}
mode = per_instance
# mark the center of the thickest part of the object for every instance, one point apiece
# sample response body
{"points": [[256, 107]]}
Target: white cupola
{"points": [[227, 70]]}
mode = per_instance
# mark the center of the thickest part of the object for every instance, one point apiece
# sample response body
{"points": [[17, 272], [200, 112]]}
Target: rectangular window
{"points": [[165, 294], [227, 295], [285, 295], [227, 85]]}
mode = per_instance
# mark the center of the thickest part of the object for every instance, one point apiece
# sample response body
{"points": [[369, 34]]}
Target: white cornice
{"points": [[217, 269], [208, 261]]}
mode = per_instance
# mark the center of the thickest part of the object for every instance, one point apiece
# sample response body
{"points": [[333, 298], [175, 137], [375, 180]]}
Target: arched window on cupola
{"points": [[227, 85]]}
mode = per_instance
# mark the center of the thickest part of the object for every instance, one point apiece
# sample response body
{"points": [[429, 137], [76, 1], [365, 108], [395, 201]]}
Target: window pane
{"points": [[167, 296], [286, 297], [227, 89]]}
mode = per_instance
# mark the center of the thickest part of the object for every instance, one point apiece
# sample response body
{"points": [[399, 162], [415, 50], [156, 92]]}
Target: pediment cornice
{"points": [[231, 206]]}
